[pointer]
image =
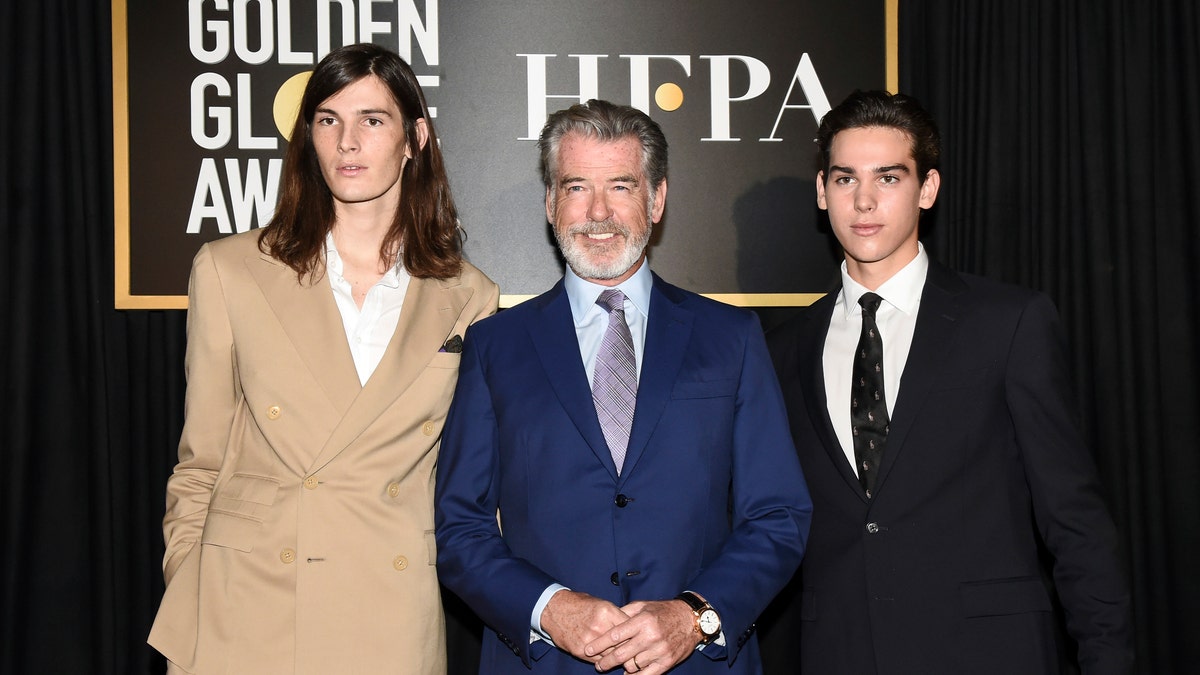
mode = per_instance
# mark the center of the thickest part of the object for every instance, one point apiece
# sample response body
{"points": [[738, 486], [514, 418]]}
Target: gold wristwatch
{"points": [[708, 622]]}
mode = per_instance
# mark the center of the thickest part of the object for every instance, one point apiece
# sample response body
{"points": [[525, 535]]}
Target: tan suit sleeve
{"points": [[212, 398], [491, 299]]}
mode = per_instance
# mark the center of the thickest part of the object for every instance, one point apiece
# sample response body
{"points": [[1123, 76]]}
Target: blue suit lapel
{"points": [[552, 332], [937, 321], [667, 335]]}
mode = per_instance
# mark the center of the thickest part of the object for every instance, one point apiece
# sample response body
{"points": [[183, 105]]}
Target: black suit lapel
{"points": [[938, 319], [810, 361]]}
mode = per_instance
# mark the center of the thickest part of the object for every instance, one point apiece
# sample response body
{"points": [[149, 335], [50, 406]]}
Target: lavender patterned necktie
{"points": [[614, 383]]}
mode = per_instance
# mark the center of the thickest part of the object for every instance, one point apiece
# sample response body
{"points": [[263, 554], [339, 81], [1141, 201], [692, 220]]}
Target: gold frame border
{"points": [[121, 257], [891, 38], [122, 299], [739, 299]]}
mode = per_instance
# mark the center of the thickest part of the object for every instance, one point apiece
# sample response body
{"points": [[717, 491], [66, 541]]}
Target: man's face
{"points": [[358, 135], [602, 208], [874, 198]]}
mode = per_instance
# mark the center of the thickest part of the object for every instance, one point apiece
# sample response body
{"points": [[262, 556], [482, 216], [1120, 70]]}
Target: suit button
{"points": [[873, 528], [287, 556], [393, 490], [428, 428], [614, 580], [274, 412], [622, 501], [400, 563], [311, 482]]}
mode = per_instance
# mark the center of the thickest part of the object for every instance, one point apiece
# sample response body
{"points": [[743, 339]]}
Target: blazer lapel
{"points": [[937, 321], [310, 319], [431, 309], [812, 378], [552, 332], [667, 334]]}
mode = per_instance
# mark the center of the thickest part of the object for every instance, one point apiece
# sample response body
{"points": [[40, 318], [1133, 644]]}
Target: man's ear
{"points": [[421, 129], [821, 191], [660, 201], [929, 189]]}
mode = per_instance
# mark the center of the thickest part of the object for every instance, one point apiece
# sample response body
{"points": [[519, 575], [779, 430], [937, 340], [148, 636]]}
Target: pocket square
{"points": [[453, 345]]}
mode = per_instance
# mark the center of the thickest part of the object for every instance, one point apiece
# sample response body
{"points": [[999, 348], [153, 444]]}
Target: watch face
{"points": [[710, 623]]}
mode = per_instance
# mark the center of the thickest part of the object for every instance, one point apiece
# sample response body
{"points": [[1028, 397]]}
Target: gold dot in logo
{"points": [[287, 103], [668, 96]]}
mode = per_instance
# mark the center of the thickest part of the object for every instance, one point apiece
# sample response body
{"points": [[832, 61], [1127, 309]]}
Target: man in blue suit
{"points": [[617, 486]]}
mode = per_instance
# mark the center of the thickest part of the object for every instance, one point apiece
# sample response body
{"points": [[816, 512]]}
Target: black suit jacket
{"points": [[940, 573]]}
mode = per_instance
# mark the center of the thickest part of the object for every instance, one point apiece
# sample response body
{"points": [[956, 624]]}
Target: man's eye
{"points": [[889, 180], [844, 180]]}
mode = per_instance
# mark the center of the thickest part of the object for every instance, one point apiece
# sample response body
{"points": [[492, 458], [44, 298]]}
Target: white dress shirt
{"points": [[896, 319], [370, 329]]}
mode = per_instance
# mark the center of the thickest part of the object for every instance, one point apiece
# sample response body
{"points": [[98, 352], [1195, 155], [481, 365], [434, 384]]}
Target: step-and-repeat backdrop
{"points": [[203, 88]]}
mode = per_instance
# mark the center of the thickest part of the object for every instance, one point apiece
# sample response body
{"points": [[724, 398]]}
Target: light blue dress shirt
{"points": [[591, 320]]}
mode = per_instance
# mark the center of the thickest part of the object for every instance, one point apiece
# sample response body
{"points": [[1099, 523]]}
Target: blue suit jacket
{"points": [[711, 497]]}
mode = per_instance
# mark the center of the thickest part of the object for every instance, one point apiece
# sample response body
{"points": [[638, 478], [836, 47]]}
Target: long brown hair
{"points": [[424, 233]]}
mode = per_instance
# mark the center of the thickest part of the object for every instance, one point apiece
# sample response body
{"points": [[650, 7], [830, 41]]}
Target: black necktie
{"points": [[868, 408]]}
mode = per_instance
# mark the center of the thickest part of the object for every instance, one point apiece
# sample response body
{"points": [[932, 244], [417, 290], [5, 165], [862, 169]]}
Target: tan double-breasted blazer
{"points": [[299, 523]]}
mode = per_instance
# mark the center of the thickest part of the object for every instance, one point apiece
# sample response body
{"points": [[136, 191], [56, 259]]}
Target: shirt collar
{"points": [[583, 294], [333, 262], [902, 291]]}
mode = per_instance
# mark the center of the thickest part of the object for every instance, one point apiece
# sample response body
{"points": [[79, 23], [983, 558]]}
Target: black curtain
{"points": [[1072, 134], [92, 397]]}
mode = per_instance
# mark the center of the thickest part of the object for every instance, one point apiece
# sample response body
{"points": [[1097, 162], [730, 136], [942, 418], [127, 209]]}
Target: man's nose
{"points": [[598, 209]]}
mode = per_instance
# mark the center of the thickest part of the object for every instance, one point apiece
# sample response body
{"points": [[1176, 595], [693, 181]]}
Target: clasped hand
{"points": [[646, 637]]}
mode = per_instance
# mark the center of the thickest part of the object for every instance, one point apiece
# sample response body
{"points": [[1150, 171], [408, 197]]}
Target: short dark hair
{"points": [[883, 109], [605, 121], [424, 234]]}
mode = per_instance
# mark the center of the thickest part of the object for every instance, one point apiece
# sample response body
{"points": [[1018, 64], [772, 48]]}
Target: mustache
{"points": [[599, 227]]}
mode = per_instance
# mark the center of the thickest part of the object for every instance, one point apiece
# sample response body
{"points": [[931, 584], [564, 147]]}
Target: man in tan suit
{"points": [[322, 357]]}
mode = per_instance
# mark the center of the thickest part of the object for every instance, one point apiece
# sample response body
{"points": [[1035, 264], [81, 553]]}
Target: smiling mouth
{"points": [[600, 236]]}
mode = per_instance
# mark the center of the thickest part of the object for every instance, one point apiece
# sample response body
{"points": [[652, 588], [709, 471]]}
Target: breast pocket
{"points": [[706, 389], [974, 379], [699, 421], [445, 360], [237, 511]]}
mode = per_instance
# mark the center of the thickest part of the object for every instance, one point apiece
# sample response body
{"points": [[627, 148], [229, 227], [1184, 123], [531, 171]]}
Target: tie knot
{"points": [[870, 303], [611, 299]]}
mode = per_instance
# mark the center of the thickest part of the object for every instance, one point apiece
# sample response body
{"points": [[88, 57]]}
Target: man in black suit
{"points": [[932, 413]]}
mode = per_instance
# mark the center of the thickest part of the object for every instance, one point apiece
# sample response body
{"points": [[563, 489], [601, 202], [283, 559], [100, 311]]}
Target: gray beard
{"points": [[577, 257]]}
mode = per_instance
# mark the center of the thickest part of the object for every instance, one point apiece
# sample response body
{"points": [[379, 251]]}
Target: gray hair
{"points": [[604, 121]]}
